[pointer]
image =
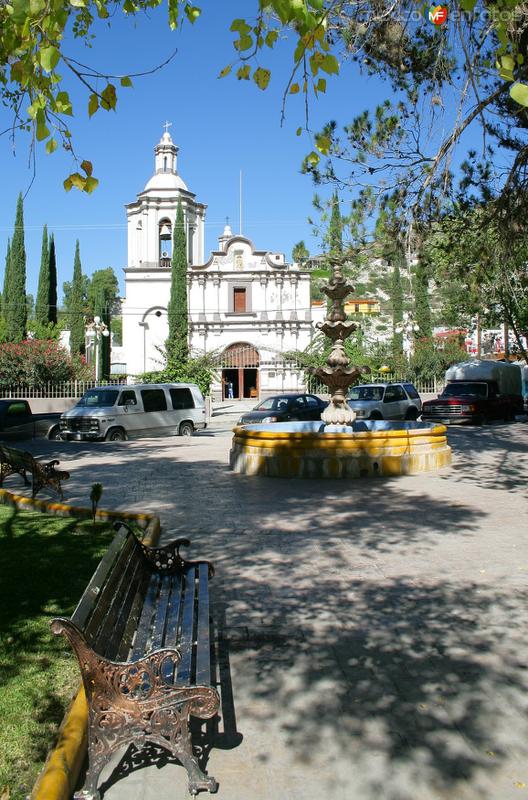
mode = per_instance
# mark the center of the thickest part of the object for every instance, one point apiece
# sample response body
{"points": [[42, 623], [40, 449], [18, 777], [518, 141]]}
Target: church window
{"points": [[164, 163], [239, 300]]}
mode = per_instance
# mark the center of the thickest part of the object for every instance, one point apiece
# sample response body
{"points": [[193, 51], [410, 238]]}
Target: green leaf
{"points": [[520, 59], [271, 38], [243, 73], [241, 26], [321, 85], [330, 65], [49, 58], [20, 11], [51, 146], [313, 158], [67, 183], [192, 13], [294, 88], [42, 128], [93, 105], [244, 43], [126, 81], [174, 10], [87, 167], [262, 77], [109, 97], [225, 71], [298, 131], [519, 93], [468, 5], [77, 180], [90, 184], [63, 103], [78, 3]]}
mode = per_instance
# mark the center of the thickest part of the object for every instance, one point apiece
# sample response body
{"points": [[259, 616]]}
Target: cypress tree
{"points": [[422, 307], [42, 304], [177, 342], [6, 274], [15, 311], [396, 295], [52, 302], [75, 311], [335, 227]]}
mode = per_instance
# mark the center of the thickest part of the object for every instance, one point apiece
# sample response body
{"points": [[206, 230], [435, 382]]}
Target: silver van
{"points": [[116, 413]]}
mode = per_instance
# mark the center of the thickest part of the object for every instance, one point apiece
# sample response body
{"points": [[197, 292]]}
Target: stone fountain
{"points": [[338, 446]]}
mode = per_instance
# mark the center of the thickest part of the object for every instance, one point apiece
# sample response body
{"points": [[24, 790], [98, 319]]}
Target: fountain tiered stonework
{"points": [[338, 446]]}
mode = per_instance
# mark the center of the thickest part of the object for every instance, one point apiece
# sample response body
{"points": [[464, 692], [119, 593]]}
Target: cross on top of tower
{"points": [[167, 125]]}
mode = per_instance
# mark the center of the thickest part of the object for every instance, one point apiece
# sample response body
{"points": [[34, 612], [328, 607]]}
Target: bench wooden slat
{"points": [[203, 646], [161, 612], [183, 676], [92, 592], [109, 622], [173, 624], [125, 648], [144, 630], [116, 621], [123, 563]]}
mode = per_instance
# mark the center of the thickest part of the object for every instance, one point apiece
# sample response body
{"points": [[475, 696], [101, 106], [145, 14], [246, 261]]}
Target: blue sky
{"points": [[221, 127]]}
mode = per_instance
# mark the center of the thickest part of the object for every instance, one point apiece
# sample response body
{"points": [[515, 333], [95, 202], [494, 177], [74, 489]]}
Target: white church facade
{"points": [[246, 306]]}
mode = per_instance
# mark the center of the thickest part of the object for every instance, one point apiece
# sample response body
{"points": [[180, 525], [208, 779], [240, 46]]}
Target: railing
{"points": [[69, 389]]}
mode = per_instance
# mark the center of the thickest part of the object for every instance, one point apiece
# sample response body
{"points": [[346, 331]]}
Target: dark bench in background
{"points": [[20, 462], [141, 635]]}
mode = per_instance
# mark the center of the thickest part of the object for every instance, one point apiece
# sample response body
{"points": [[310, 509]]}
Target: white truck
{"points": [[476, 392]]}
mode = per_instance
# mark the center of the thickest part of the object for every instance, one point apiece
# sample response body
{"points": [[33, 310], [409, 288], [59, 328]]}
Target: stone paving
{"points": [[371, 635]]}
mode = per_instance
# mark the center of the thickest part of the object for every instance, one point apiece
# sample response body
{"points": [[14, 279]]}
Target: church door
{"points": [[240, 374]]}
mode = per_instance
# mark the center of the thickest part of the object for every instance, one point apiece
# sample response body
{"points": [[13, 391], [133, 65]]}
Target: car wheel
{"points": [[412, 414], [55, 434], [115, 435], [375, 415], [186, 429]]}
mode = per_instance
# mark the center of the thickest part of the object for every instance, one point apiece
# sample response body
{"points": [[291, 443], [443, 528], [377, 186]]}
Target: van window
{"points": [[154, 400], [181, 398], [98, 398], [128, 398]]}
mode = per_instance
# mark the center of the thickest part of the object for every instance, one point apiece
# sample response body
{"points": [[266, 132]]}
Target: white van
{"points": [[116, 413]]}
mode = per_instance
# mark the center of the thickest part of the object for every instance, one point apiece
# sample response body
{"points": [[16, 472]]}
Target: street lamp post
{"points": [[100, 329], [409, 328]]}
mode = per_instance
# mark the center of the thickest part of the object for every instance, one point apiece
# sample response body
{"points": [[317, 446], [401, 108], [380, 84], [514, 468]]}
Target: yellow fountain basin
{"points": [[304, 450]]}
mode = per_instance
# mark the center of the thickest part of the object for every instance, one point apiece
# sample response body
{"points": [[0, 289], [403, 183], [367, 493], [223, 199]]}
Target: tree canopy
{"points": [[474, 65]]}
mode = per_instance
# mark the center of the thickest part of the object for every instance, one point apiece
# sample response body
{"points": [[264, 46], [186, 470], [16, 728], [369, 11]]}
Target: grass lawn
{"points": [[45, 564]]}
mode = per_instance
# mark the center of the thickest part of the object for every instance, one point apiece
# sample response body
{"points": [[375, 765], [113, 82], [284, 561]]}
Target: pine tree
{"points": [[75, 310], [42, 304], [177, 342], [52, 303], [15, 311]]}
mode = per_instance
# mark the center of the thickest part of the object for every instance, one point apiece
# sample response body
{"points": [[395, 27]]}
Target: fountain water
{"points": [[339, 447]]}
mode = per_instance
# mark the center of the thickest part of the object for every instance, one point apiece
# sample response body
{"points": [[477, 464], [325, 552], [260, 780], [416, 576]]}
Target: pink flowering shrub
{"points": [[38, 361]]}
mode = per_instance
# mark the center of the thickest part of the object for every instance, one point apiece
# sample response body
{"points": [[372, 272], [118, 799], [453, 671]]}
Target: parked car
{"points": [[283, 407], [385, 401], [17, 421], [115, 413], [476, 392]]}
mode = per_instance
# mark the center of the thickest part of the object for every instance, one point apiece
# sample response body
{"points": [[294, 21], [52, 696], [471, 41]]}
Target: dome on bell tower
{"points": [[166, 174]]}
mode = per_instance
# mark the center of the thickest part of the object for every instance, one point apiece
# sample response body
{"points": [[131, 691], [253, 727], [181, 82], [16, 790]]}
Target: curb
{"points": [[63, 765]]}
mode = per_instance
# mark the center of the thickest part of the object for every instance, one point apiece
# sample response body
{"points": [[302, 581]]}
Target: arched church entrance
{"points": [[240, 371]]}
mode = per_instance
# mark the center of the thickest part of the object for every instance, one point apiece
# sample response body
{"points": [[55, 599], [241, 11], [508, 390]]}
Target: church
{"points": [[246, 306]]}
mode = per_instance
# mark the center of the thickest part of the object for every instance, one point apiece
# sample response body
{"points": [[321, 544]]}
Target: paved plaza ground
{"points": [[371, 634]]}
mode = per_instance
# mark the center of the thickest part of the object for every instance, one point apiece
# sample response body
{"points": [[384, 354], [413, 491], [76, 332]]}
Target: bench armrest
{"points": [[167, 559]]}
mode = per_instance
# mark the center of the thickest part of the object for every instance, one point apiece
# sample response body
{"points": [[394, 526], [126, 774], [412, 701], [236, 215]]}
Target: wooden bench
{"points": [[141, 635], [19, 461]]}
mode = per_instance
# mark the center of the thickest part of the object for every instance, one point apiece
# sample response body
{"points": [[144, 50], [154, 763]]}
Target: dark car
{"points": [[283, 407]]}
